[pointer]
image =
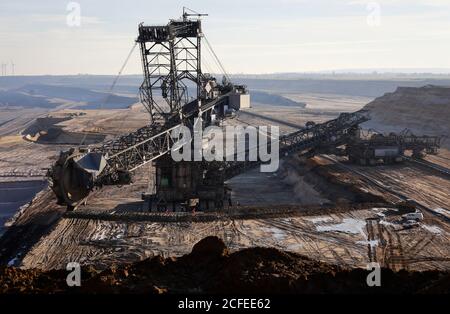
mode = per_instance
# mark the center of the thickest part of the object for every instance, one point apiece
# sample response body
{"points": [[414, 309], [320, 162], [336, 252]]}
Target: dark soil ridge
{"points": [[211, 268]]}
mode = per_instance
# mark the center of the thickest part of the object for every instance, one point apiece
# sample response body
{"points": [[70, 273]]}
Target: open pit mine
{"points": [[98, 187]]}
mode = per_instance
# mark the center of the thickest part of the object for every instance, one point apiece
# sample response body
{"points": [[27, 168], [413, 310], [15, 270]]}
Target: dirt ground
{"points": [[345, 239], [350, 238], [19, 155], [212, 268], [424, 111], [347, 236], [426, 186]]}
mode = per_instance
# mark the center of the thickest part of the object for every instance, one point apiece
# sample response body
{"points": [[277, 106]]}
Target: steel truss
{"points": [[129, 152], [171, 58], [171, 55], [306, 142]]}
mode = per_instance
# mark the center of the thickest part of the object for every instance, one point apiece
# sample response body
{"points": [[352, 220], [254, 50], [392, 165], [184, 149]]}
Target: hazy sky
{"points": [[249, 36]]}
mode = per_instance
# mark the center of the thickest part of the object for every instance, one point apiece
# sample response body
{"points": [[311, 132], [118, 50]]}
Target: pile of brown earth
{"points": [[47, 131], [211, 268], [424, 110]]}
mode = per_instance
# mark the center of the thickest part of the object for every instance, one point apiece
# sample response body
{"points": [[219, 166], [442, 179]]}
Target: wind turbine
{"points": [[12, 67], [4, 69]]}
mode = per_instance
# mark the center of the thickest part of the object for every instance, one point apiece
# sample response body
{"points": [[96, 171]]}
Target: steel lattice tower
{"points": [[171, 60]]}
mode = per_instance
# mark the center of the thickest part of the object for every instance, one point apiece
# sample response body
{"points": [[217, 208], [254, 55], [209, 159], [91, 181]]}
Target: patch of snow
{"points": [[386, 223], [294, 247], [100, 235], [106, 231], [278, 234], [442, 211], [379, 211], [372, 243], [320, 219], [348, 225], [382, 209], [432, 229]]}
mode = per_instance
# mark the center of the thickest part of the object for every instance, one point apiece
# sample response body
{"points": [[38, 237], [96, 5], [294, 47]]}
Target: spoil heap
{"points": [[211, 268], [424, 110]]}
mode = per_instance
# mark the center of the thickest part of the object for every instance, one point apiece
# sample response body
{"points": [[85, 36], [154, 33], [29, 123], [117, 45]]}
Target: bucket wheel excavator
{"points": [[175, 91]]}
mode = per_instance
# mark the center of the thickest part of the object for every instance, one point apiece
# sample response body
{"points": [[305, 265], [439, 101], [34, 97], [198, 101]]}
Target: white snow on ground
{"points": [[442, 211], [386, 223], [432, 229], [320, 219], [348, 225], [294, 247], [278, 234], [372, 243], [380, 211], [109, 232], [101, 235]]}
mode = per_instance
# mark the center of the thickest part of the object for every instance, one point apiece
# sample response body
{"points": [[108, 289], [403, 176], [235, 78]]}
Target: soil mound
{"points": [[43, 124], [46, 131], [209, 246], [211, 268], [424, 110]]}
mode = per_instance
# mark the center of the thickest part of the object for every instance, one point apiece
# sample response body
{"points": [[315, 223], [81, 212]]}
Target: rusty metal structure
{"points": [[171, 60], [378, 148], [175, 91], [308, 141]]}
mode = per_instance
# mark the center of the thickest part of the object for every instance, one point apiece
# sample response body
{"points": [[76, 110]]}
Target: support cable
{"points": [[217, 59], [113, 85]]}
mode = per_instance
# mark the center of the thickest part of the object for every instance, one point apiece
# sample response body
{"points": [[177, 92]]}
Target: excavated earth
{"points": [[211, 268], [337, 218], [424, 110], [46, 130]]}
